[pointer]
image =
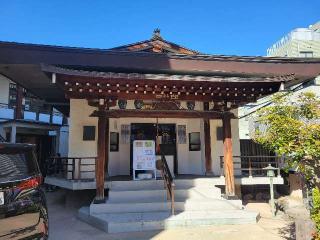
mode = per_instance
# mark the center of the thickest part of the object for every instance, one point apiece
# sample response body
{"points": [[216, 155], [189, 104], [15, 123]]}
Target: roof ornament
{"points": [[156, 34]]}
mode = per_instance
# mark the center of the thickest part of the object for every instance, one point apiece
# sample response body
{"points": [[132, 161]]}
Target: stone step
{"points": [[159, 184], [136, 185], [189, 205], [160, 195], [137, 222]]}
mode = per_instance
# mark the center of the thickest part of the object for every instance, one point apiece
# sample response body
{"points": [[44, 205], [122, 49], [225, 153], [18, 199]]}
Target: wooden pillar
{"points": [[19, 99], [101, 158], [51, 114], [227, 156], [207, 141], [64, 120], [57, 142], [37, 114], [13, 134], [107, 148]]}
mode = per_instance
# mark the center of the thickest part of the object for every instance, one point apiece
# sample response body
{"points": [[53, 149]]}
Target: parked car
{"points": [[23, 209]]}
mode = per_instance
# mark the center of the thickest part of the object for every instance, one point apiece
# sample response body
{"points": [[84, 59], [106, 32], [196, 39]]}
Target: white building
{"points": [[36, 124], [299, 43]]}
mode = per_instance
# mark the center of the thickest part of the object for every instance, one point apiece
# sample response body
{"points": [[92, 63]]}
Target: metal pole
{"points": [[272, 198]]}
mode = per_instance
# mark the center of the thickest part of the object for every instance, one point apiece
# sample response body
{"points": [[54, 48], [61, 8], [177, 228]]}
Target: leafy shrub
{"points": [[315, 214]]}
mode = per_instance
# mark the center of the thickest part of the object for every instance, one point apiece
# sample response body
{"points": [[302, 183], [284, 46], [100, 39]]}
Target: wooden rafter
{"points": [[237, 93]]}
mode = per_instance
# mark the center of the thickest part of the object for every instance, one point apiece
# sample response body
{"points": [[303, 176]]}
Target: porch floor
{"points": [[83, 184], [177, 176]]}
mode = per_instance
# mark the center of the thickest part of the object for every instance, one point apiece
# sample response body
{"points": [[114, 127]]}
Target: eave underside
{"points": [[234, 91]]}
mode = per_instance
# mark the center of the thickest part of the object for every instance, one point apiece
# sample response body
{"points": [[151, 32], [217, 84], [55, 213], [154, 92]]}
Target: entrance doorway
{"points": [[166, 135]]}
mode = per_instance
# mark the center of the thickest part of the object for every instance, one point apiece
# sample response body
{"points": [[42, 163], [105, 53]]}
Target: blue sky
{"points": [[216, 27]]}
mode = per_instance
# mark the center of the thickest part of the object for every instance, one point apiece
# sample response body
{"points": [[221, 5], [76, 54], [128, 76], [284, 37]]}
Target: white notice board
{"points": [[144, 155]]}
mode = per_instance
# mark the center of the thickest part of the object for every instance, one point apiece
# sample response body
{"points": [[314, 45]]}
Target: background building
{"points": [[25, 118], [299, 43]]}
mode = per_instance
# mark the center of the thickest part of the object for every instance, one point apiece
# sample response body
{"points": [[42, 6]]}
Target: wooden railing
{"points": [[71, 168], [253, 165], [35, 113], [168, 181]]}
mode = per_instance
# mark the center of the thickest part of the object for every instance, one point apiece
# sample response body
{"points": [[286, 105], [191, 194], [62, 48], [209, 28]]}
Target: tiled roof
{"points": [[170, 55], [116, 75]]}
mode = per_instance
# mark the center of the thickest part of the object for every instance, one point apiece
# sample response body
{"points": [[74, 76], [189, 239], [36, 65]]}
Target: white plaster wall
{"points": [[217, 145], [79, 117], [189, 162], [4, 89]]}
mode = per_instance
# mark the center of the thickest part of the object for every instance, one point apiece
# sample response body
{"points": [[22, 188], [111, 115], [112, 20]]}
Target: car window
{"points": [[17, 164]]}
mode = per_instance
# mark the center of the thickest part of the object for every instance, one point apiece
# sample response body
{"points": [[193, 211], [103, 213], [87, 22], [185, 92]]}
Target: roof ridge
{"points": [[152, 40]]}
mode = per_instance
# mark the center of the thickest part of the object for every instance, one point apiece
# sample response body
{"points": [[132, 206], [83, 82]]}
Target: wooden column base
{"points": [[99, 200]]}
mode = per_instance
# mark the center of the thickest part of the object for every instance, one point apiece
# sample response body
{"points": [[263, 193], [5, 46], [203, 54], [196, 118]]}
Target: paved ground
{"points": [[65, 225]]}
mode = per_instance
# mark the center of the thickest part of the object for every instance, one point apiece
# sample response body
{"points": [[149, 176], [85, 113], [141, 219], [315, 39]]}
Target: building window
{"points": [[89, 133], [194, 141], [114, 142], [219, 132], [306, 54]]}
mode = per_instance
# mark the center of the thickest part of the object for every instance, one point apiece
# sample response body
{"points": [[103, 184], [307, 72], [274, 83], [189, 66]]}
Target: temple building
{"points": [[184, 101]]}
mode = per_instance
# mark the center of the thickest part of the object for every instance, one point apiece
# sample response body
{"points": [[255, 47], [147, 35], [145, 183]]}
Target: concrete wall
{"points": [[4, 89], [297, 41], [247, 124], [293, 48], [64, 141], [189, 162]]}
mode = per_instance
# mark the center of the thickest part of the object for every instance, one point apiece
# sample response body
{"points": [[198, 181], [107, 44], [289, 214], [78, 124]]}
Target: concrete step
{"points": [[159, 184], [160, 195], [136, 185], [134, 222], [189, 205]]}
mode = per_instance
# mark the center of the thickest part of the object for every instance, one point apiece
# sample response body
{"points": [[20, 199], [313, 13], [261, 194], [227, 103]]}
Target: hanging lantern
{"points": [[122, 103], [190, 105], [138, 104]]}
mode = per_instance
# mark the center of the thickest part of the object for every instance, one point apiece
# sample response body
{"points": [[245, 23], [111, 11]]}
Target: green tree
{"points": [[293, 129]]}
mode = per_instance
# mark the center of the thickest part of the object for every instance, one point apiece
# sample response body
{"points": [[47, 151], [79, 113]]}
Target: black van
{"points": [[23, 209]]}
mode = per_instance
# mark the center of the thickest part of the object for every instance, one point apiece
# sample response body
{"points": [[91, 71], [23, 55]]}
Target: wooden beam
{"points": [[207, 141], [19, 98], [240, 99], [103, 127], [107, 146], [146, 89], [227, 156], [158, 114]]}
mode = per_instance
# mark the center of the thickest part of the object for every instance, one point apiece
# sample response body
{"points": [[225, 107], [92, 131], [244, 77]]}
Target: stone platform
{"points": [[143, 206]]}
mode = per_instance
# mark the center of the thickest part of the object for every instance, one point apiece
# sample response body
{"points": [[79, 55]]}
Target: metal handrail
{"points": [[168, 181]]}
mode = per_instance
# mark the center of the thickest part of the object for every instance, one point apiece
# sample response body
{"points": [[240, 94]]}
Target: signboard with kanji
{"points": [[144, 156]]}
